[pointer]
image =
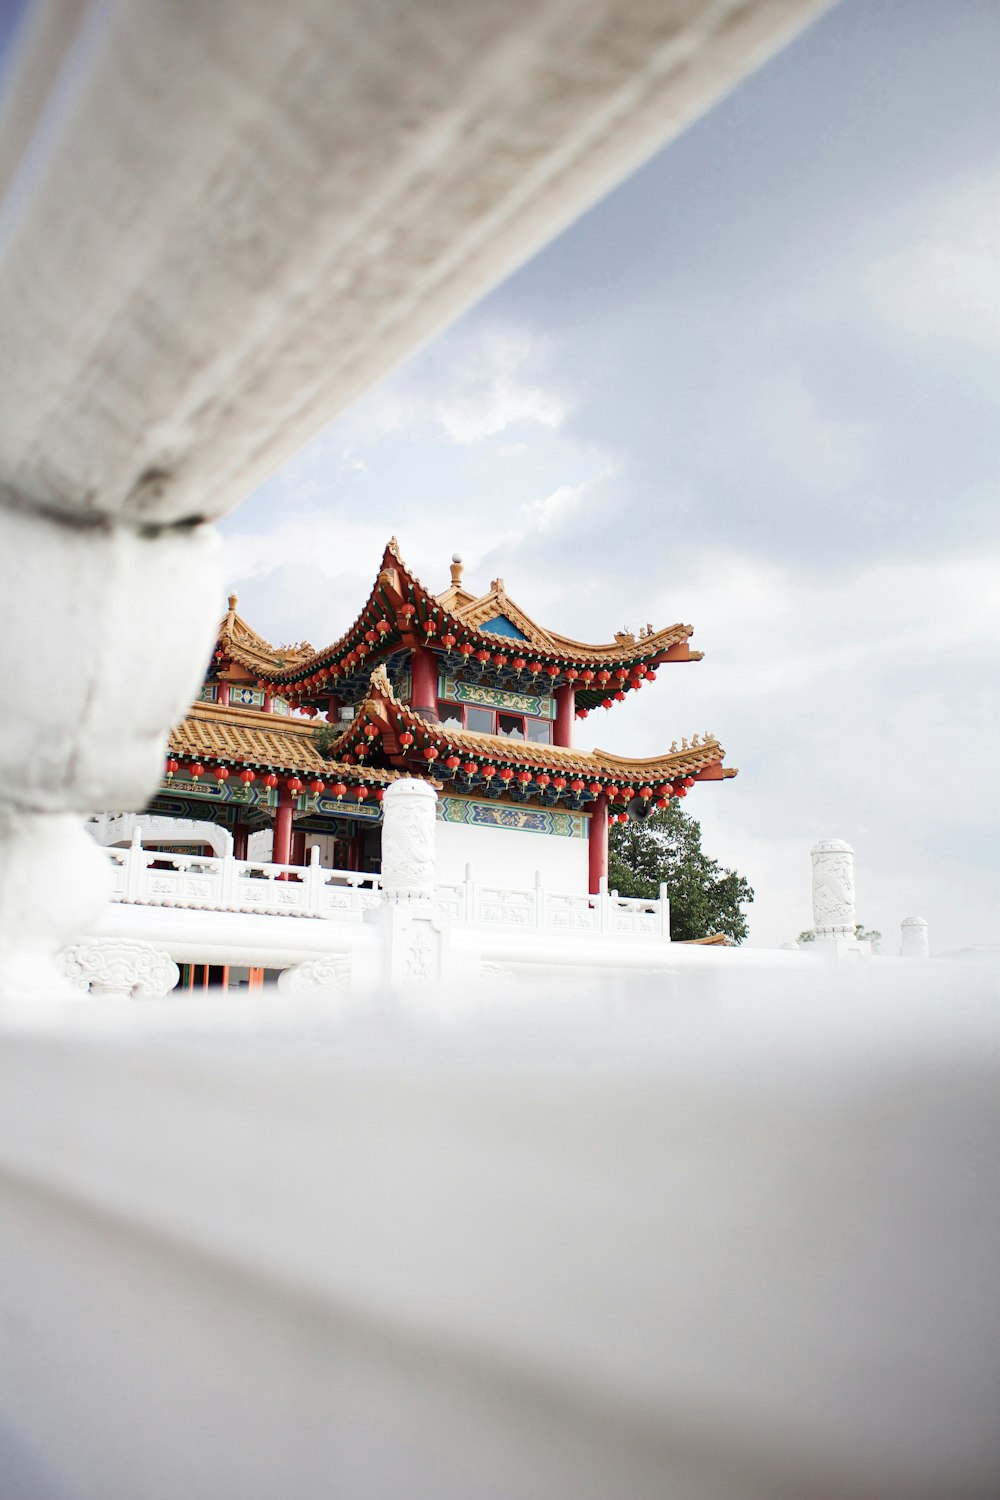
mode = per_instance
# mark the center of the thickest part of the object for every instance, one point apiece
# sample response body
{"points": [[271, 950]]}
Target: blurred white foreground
{"points": [[681, 1240]]}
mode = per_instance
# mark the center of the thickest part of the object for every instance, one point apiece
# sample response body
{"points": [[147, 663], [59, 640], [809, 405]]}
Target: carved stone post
{"points": [[913, 938], [409, 810], [833, 889], [415, 936]]}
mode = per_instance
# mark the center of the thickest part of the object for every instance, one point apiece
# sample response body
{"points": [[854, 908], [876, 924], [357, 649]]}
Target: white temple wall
{"points": [[507, 856]]}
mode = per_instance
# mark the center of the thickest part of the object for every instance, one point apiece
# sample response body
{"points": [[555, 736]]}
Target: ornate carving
{"points": [[331, 972], [408, 841], [119, 968], [833, 889]]}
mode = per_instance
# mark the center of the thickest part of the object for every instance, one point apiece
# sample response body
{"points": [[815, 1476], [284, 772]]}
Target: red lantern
{"points": [[620, 696], [524, 777], [222, 773], [594, 789], [689, 781], [317, 786], [371, 730], [294, 785], [645, 792], [627, 793], [571, 674], [430, 627], [361, 792], [408, 611], [489, 772], [661, 803], [543, 780], [499, 660], [483, 656], [248, 776], [603, 676], [576, 786], [534, 666], [448, 641], [519, 663], [680, 791], [586, 675], [621, 673], [379, 793], [270, 781], [383, 627], [582, 713], [406, 739], [605, 702], [452, 763], [371, 637], [172, 766], [339, 790], [650, 675], [465, 649], [559, 782], [506, 774], [552, 670], [430, 753], [196, 771], [469, 768]]}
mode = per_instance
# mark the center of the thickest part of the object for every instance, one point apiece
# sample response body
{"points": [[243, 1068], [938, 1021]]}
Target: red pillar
{"points": [[298, 848], [282, 854], [598, 843], [423, 665], [333, 710], [223, 694], [565, 714], [241, 841], [267, 706]]}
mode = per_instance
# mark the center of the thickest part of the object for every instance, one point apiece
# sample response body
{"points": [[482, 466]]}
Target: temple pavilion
{"points": [[462, 689]]}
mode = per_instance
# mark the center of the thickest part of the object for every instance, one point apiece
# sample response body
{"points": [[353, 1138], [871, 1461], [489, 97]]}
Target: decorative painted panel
{"points": [[468, 810], [241, 696], [538, 705], [500, 625], [209, 692]]}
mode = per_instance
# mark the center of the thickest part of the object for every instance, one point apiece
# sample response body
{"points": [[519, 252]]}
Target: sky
{"points": [[755, 389]]}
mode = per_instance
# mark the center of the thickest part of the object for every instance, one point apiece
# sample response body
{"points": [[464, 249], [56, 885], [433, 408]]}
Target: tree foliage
{"points": [[666, 849]]}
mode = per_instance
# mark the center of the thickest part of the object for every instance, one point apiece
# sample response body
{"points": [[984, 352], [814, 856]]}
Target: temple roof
{"points": [[402, 614], [212, 732], [701, 758], [244, 645]]}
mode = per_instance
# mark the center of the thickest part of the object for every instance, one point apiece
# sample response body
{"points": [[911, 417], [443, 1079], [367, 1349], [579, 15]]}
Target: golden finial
{"points": [[233, 600], [456, 569]]}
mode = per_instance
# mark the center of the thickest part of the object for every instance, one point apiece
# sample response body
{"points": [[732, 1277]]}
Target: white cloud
{"points": [[948, 284]]}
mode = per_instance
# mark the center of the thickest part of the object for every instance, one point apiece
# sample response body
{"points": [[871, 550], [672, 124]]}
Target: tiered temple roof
{"points": [[489, 634]]}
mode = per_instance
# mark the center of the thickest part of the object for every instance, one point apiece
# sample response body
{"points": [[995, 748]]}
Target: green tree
{"points": [[666, 849]]}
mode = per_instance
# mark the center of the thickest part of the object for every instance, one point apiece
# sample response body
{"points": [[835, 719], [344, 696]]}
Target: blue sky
{"points": [[754, 389]]}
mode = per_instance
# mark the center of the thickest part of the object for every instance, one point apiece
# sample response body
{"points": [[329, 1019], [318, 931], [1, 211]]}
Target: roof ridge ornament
{"points": [[456, 570]]}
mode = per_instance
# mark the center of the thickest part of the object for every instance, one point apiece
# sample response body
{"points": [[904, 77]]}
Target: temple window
{"points": [[450, 713], [511, 726], [490, 721]]}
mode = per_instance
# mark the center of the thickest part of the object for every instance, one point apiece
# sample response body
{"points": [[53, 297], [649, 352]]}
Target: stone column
{"points": [[409, 810], [833, 889], [913, 938]]}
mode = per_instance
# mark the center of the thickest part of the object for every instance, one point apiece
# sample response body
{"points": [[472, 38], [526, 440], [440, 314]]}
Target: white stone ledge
{"points": [[743, 1250]]}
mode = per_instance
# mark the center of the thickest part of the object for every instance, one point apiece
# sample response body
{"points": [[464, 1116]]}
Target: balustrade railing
{"points": [[515, 906], [151, 877]]}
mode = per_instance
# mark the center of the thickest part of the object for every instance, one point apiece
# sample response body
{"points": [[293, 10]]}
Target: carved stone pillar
{"points": [[913, 938], [115, 625], [409, 810], [834, 915]]}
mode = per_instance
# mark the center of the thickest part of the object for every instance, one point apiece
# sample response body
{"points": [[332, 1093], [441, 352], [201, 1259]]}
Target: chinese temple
{"points": [[463, 690]]}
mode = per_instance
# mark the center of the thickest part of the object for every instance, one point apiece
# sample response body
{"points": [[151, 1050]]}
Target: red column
{"points": [[423, 665], [267, 706], [282, 854], [565, 714], [298, 848], [333, 710], [223, 694], [598, 843], [241, 841]]}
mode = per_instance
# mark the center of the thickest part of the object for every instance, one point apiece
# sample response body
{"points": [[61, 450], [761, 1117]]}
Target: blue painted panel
{"points": [[500, 625]]}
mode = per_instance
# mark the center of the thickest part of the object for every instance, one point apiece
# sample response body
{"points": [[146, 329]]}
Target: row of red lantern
{"points": [[195, 771]]}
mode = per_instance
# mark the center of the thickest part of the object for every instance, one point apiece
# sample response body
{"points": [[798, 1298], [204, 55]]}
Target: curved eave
{"points": [[213, 735], [397, 587], [404, 736]]}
